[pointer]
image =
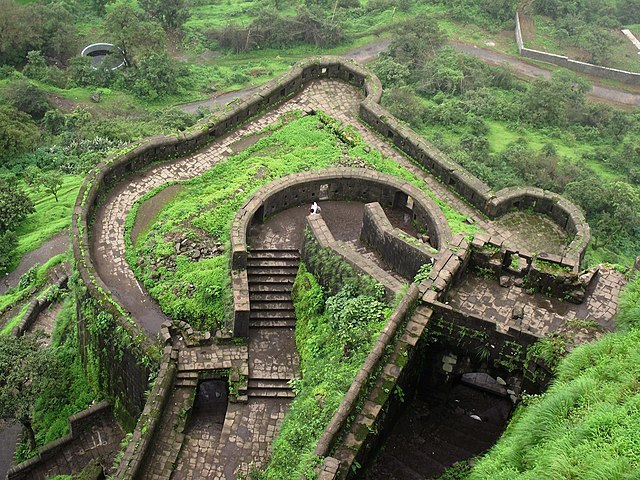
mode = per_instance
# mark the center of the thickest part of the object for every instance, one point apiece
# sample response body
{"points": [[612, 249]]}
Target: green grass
{"points": [[327, 373], [584, 426], [50, 217], [207, 204], [18, 294], [547, 38]]}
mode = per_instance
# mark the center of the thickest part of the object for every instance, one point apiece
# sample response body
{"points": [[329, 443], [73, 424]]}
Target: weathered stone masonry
{"points": [[127, 378]]}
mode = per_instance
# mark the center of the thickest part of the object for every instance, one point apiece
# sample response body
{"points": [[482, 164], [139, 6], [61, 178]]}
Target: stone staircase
{"points": [[271, 274], [275, 388]]}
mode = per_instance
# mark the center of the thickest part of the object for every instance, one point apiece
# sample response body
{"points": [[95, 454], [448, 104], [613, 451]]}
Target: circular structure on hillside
{"points": [[104, 55]]}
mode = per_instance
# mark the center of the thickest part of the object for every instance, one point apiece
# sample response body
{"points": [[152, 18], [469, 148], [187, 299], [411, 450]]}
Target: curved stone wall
{"points": [[303, 188], [131, 375], [343, 184]]}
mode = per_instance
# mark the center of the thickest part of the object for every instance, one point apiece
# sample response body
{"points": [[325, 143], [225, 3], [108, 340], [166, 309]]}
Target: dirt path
{"points": [[520, 67], [363, 54], [369, 52], [52, 247]]}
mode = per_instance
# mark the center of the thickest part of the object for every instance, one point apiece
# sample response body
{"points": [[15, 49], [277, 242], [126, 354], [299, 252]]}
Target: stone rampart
{"points": [[35, 308], [148, 422], [132, 373], [92, 436], [406, 253], [624, 76], [337, 184], [321, 238], [127, 379]]}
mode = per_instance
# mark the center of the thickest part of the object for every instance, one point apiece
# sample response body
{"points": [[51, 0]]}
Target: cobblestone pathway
{"points": [[336, 98], [541, 314], [248, 428]]}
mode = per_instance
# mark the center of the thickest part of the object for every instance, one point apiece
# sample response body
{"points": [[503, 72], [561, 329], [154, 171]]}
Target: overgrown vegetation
{"points": [[45, 385], [333, 337], [585, 425], [509, 133], [586, 30], [197, 289]]}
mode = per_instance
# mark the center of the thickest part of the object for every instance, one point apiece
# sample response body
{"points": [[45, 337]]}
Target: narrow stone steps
{"points": [[269, 393], [258, 271], [284, 296], [271, 274], [273, 287], [272, 262], [270, 279], [271, 305], [269, 254], [267, 323], [275, 383], [271, 314]]}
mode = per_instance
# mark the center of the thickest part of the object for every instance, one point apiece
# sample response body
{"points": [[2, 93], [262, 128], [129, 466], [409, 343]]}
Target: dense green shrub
{"points": [[332, 345]]}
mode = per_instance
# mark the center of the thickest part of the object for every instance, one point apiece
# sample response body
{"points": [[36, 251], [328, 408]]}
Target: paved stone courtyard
{"points": [[541, 315], [244, 440]]}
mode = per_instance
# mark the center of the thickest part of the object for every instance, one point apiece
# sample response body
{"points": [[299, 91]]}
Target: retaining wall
{"points": [[406, 253], [37, 306], [92, 436], [581, 67]]}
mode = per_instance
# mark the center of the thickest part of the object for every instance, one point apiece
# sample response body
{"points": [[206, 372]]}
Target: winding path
{"points": [[335, 98], [250, 429]]}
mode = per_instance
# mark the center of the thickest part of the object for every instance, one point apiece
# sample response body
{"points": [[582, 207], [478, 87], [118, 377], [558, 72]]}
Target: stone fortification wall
{"points": [[407, 254], [581, 67], [127, 378], [144, 434], [345, 443], [35, 308], [337, 184], [545, 273], [566, 214], [92, 436], [320, 237]]}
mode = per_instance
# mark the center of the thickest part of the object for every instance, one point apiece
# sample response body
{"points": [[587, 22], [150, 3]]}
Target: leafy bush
{"points": [[328, 368], [18, 132]]}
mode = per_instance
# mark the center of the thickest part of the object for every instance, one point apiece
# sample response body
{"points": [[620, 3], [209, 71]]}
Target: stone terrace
{"points": [[249, 428], [540, 315]]}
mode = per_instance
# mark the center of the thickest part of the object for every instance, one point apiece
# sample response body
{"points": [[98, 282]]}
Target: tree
{"points": [[18, 34], [156, 75], [416, 41], [18, 131], [15, 204], [52, 182], [131, 31], [170, 13], [28, 98], [33, 370]]}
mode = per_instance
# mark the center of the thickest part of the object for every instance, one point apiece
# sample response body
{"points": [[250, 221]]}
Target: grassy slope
{"points": [[49, 218], [584, 426]]}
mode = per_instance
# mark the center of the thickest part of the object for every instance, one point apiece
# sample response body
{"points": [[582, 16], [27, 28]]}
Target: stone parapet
{"points": [[92, 437], [406, 253]]}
